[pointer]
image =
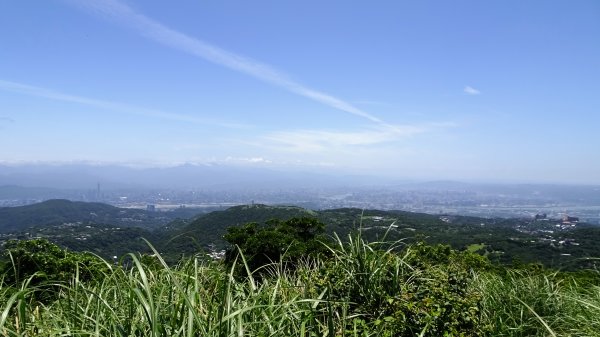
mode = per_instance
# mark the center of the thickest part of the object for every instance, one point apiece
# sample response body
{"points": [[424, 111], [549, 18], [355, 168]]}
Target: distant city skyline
{"points": [[464, 90]]}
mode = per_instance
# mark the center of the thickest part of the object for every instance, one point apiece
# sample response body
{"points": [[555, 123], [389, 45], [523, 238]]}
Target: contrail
{"points": [[114, 106], [160, 33]]}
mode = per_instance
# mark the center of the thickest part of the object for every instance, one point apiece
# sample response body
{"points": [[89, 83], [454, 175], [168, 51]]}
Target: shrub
{"points": [[44, 265], [420, 290], [288, 241]]}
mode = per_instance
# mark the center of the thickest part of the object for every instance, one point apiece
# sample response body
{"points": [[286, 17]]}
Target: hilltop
{"points": [[206, 231], [58, 211]]}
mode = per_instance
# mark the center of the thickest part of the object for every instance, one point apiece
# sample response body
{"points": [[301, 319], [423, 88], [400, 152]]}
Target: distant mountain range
{"points": [[43, 181], [213, 176]]}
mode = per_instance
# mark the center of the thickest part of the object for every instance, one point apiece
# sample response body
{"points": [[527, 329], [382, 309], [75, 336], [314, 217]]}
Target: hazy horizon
{"points": [[465, 91], [88, 174]]}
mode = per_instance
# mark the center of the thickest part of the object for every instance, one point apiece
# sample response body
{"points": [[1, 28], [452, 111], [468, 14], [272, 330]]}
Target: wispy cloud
{"points": [[471, 91], [247, 160], [314, 141], [113, 106], [162, 34]]}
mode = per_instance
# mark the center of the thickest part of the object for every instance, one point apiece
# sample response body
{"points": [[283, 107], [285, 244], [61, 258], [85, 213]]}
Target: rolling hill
{"points": [[58, 211], [502, 240], [207, 231], [109, 231]]}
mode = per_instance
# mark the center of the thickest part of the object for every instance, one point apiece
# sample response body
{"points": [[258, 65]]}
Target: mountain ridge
{"points": [[57, 211]]}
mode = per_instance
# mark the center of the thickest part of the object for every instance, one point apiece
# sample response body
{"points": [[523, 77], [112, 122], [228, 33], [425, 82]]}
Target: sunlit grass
{"points": [[361, 289], [194, 298], [526, 303]]}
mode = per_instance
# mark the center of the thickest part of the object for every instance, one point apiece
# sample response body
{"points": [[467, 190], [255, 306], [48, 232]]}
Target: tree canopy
{"points": [[276, 240]]}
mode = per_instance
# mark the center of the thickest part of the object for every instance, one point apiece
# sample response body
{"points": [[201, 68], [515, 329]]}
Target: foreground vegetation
{"points": [[354, 288]]}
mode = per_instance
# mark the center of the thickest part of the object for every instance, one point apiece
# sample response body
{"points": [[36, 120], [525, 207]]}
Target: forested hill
{"points": [[59, 211], [92, 226], [208, 230], [550, 242]]}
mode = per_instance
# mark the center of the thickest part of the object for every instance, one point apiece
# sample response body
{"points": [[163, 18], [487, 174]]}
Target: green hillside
{"points": [[58, 211], [109, 231], [104, 240], [207, 231], [505, 241]]}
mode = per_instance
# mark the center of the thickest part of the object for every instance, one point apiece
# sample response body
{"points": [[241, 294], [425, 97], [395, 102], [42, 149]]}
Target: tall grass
{"points": [[533, 303], [362, 289], [193, 298]]}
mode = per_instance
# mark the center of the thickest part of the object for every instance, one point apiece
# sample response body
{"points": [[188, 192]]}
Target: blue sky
{"points": [[467, 90]]}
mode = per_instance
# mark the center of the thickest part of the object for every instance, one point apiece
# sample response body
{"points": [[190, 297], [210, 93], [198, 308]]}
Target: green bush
{"points": [[421, 290], [41, 264], [287, 241]]}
